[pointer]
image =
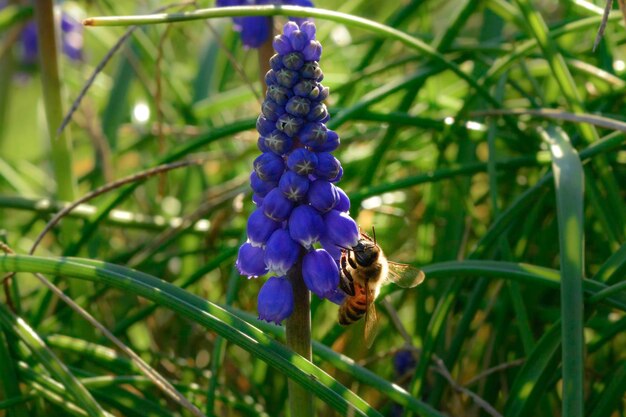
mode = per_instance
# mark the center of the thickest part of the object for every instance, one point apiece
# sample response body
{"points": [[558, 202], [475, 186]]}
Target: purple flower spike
{"points": [[320, 273], [260, 227], [276, 206], [269, 166], [306, 225], [278, 142], [250, 261], [302, 161], [275, 301], [323, 195], [294, 186], [281, 252], [341, 229]]}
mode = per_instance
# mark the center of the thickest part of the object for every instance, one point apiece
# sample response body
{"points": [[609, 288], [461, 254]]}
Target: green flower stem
{"points": [[51, 85], [273, 10], [298, 332]]}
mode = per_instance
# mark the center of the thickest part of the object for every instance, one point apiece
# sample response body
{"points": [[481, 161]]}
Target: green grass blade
{"points": [[569, 185], [50, 361], [9, 385], [612, 395]]}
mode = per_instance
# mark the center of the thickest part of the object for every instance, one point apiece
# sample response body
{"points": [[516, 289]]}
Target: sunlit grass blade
{"points": [[569, 184], [50, 361]]}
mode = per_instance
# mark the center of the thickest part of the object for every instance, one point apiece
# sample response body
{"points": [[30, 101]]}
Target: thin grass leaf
{"points": [[569, 185]]}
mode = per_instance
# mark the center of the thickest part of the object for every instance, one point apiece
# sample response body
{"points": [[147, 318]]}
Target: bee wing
{"points": [[405, 276], [371, 323]]}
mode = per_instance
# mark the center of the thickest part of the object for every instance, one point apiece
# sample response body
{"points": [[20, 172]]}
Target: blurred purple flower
{"points": [[256, 30]]}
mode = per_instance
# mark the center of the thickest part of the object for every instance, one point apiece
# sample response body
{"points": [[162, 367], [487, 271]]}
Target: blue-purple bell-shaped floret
{"points": [[251, 260], [294, 186], [306, 225], [275, 300], [344, 201], [281, 252], [320, 273], [323, 195], [269, 166], [260, 227], [341, 229], [276, 206]]}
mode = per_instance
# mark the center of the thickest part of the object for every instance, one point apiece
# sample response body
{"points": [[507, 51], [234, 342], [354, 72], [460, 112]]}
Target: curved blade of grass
{"points": [[613, 268], [569, 184], [50, 361], [204, 313]]}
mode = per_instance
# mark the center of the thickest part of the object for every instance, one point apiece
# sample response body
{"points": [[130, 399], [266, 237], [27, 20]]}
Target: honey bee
{"points": [[364, 270]]}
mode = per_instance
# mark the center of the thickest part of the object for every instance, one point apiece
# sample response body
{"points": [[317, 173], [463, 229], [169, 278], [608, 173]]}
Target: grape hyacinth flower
{"points": [[256, 30], [302, 219]]}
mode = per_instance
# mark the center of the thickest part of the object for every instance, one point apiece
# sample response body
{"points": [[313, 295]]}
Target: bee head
{"points": [[366, 252]]}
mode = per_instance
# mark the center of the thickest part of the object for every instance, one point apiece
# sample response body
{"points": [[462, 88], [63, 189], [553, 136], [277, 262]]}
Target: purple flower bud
{"points": [[333, 250], [276, 62], [281, 252], [276, 206], [317, 113], [260, 227], [287, 78], [250, 261], [269, 166], [341, 229], [261, 187], [278, 93], [282, 45], [275, 301], [260, 144], [293, 61], [270, 78], [298, 40], [305, 225], [312, 51], [323, 195], [289, 28], [271, 110], [328, 167], [265, 126], [278, 142], [308, 28], [299, 106], [323, 94], [320, 273], [338, 177], [344, 201], [312, 70], [332, 142], [293, 186], [257, 199], [337, 297], [306, 88], [313, 135], [289, 124], [302, 161], [403, 361]]}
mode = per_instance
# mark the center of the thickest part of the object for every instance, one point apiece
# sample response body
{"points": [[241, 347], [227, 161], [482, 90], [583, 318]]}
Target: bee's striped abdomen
{"points": [[353, 308]]}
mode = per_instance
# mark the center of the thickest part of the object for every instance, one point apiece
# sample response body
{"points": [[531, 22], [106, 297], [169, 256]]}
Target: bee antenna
{"points": [[374, 234]]}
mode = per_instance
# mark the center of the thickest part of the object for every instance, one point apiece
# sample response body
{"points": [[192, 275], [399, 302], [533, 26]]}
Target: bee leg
{"points": [[346, 284]]}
